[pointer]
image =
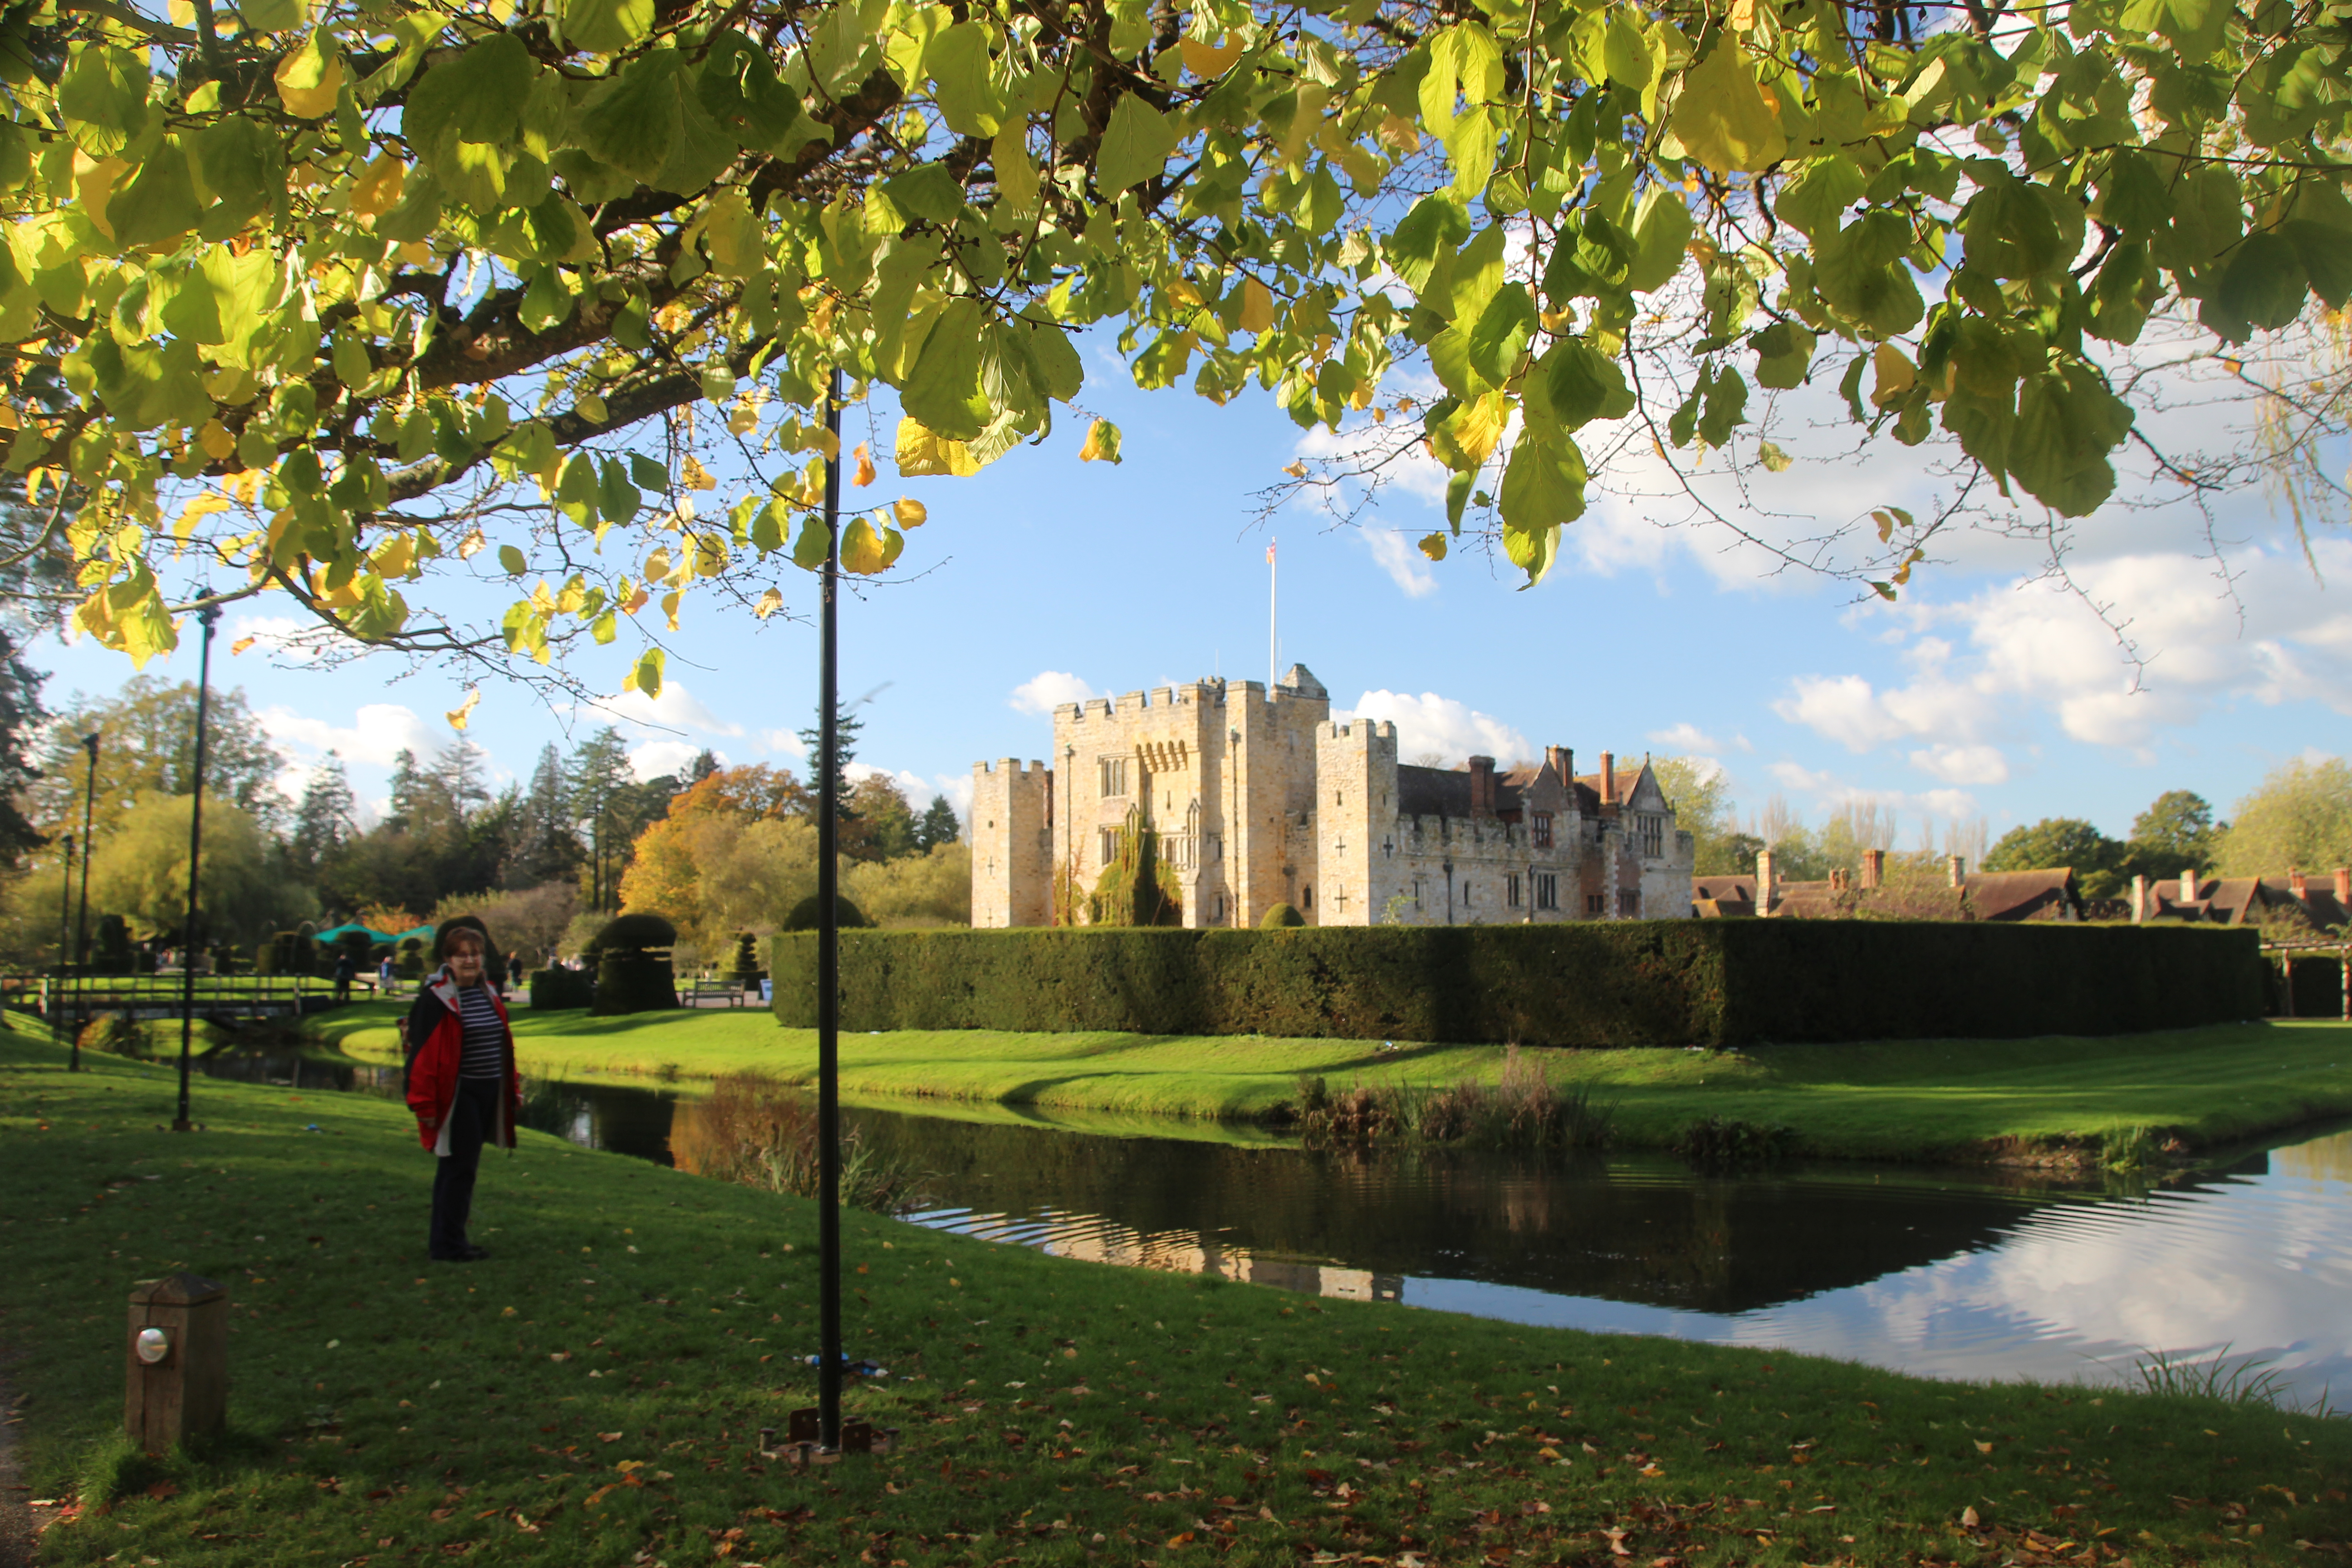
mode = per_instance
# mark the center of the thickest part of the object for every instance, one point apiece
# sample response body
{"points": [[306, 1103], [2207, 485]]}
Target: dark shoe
{"points": [[476, 1254]]}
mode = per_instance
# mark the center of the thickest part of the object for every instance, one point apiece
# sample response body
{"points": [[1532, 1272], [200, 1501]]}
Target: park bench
{"points": [[696, 989]]}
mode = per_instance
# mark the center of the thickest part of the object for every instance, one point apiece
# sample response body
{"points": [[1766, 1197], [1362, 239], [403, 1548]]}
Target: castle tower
{"points": [[1355, 817], [1012, 844]]}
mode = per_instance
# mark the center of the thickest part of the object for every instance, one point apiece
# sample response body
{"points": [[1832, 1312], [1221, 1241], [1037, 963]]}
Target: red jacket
{"points": [[435, 1040]]}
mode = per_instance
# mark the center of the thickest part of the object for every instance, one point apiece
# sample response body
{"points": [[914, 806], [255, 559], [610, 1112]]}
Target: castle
{"points": [[1259, 799]]}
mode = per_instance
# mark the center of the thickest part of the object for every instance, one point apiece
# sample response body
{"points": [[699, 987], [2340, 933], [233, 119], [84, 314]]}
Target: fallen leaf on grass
{"points": [[1616, 1539], [1969, 1518], [608, 1437], [163, 1489]]}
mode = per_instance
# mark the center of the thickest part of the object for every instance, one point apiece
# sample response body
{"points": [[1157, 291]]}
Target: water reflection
{"points": [[1954, 1273]]}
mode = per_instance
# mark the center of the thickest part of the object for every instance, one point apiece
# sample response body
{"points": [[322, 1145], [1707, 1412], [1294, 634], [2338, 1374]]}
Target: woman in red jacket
{"points": [[461, 1081]]}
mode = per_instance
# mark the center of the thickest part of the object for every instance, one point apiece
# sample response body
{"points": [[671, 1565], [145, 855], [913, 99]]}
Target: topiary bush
{"points": [[804, 914], [1281, 915], [746, 964], [412, 957], [634, 972], [560, 988]]}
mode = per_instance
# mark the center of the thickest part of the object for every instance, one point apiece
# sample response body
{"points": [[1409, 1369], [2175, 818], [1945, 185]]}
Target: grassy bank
{"points": [[1901, 1099], [589, 1393]]}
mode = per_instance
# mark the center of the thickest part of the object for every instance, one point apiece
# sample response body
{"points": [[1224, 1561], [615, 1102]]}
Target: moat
{"points": [[1948, 1273]]}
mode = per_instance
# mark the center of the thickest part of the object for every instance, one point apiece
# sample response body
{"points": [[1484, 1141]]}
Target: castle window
{"points": [[1654, 837], [1305, 898], [1546, 891], [1595, 904], [1511, 890], [1416, 892], [1543, 829], [1628, 903], [1110, 845], [1114, 775]]}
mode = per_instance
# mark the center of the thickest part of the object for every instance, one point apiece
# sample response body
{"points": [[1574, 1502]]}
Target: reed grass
{"points": [[1522, 1108], [760, 1133]]}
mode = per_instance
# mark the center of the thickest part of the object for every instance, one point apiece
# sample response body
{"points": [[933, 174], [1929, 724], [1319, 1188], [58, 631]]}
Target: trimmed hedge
{"points": [[1605, 983], [558, 988]]}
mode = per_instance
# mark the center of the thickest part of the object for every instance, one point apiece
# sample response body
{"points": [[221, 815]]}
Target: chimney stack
{"points": [[2344, 886], [2189, 887], [1608, 778], [2298, 884], [1563, 763], [1873, 868], [1838, 880], [2139, 900], [1482, 787], [1764, 882], [1957, 868]]}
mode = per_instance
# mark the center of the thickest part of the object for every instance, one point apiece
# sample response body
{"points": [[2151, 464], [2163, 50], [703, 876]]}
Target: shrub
{"points": [[1602, 983], [1523, 1111], [560, 988], [746, 966], [642, 930], [1281, 915], [412, 957], [803, 914], [632, 971]]}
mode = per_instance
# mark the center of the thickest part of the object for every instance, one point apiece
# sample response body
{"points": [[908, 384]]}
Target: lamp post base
{"points": [[181, 1124]]}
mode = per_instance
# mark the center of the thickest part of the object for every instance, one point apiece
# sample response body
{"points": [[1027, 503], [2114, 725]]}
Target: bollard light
{"points": [[177, 1381]]}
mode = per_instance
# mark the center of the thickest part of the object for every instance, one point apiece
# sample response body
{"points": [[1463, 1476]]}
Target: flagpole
{"points": [[1273, 658]]}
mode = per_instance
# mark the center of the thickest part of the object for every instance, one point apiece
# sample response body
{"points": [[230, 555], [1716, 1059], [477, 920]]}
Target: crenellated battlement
{"points": [[1263, 797]]}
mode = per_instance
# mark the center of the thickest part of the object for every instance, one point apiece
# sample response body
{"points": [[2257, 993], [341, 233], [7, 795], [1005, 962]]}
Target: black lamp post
{"points": [[81, 924], [209, 615], [828, 955], [65, 946]]}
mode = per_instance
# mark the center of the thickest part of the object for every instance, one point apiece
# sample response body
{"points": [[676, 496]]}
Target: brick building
{"points": [[1260, 799]]}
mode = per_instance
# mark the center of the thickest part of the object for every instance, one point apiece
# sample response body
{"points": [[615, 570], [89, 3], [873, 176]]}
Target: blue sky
{"points": [[1982, 693]]}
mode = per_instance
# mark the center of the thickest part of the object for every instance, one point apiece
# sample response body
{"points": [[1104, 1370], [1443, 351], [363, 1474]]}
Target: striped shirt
{"points": [[485, 1039]]}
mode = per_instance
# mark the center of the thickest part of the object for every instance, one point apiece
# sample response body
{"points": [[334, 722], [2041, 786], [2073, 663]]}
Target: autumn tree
{"points": [[324, 301]]}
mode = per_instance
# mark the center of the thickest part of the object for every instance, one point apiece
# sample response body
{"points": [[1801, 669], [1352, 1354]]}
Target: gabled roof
{"points": [[2017, 895]]}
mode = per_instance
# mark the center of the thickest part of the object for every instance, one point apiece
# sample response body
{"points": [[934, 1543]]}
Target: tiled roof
{"points": [[2016, 895]]}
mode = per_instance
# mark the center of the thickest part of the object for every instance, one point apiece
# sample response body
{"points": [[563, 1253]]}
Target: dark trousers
{"points": [[472, 1116]]}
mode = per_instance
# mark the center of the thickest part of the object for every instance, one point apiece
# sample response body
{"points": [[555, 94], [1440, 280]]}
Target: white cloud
{"points": [[1689, 739], [2032, 644], [377, 732], [1963, 764], [654, 758], [787, 741], [1827, 790], [1049, 690], [674, 709], [1407, 567], [1430, 723]]}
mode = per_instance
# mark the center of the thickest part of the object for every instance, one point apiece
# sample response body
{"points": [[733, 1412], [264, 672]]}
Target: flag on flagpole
{"points": [[1269, 554]]}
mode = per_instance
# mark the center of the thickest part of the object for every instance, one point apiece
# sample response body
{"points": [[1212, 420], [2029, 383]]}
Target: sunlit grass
{"points": [[590, 1395], [1900, 1099]]}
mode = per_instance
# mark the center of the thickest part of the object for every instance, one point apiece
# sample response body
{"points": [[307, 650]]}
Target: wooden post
{"points": [[177, 1361], [2286, 973]]}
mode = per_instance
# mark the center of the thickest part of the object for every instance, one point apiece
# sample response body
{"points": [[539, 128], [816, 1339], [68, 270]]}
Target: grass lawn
{"points": [[591, 1394], [1900, 1099]]}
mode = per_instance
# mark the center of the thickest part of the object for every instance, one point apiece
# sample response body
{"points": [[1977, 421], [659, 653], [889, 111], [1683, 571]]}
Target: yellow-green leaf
{"points": [[1135, 145], [1722, 116]]}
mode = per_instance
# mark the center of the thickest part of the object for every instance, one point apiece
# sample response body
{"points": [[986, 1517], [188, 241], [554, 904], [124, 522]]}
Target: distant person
{"points": [[346, 971], [461, 1079], [514, 971], [384, 976]]}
